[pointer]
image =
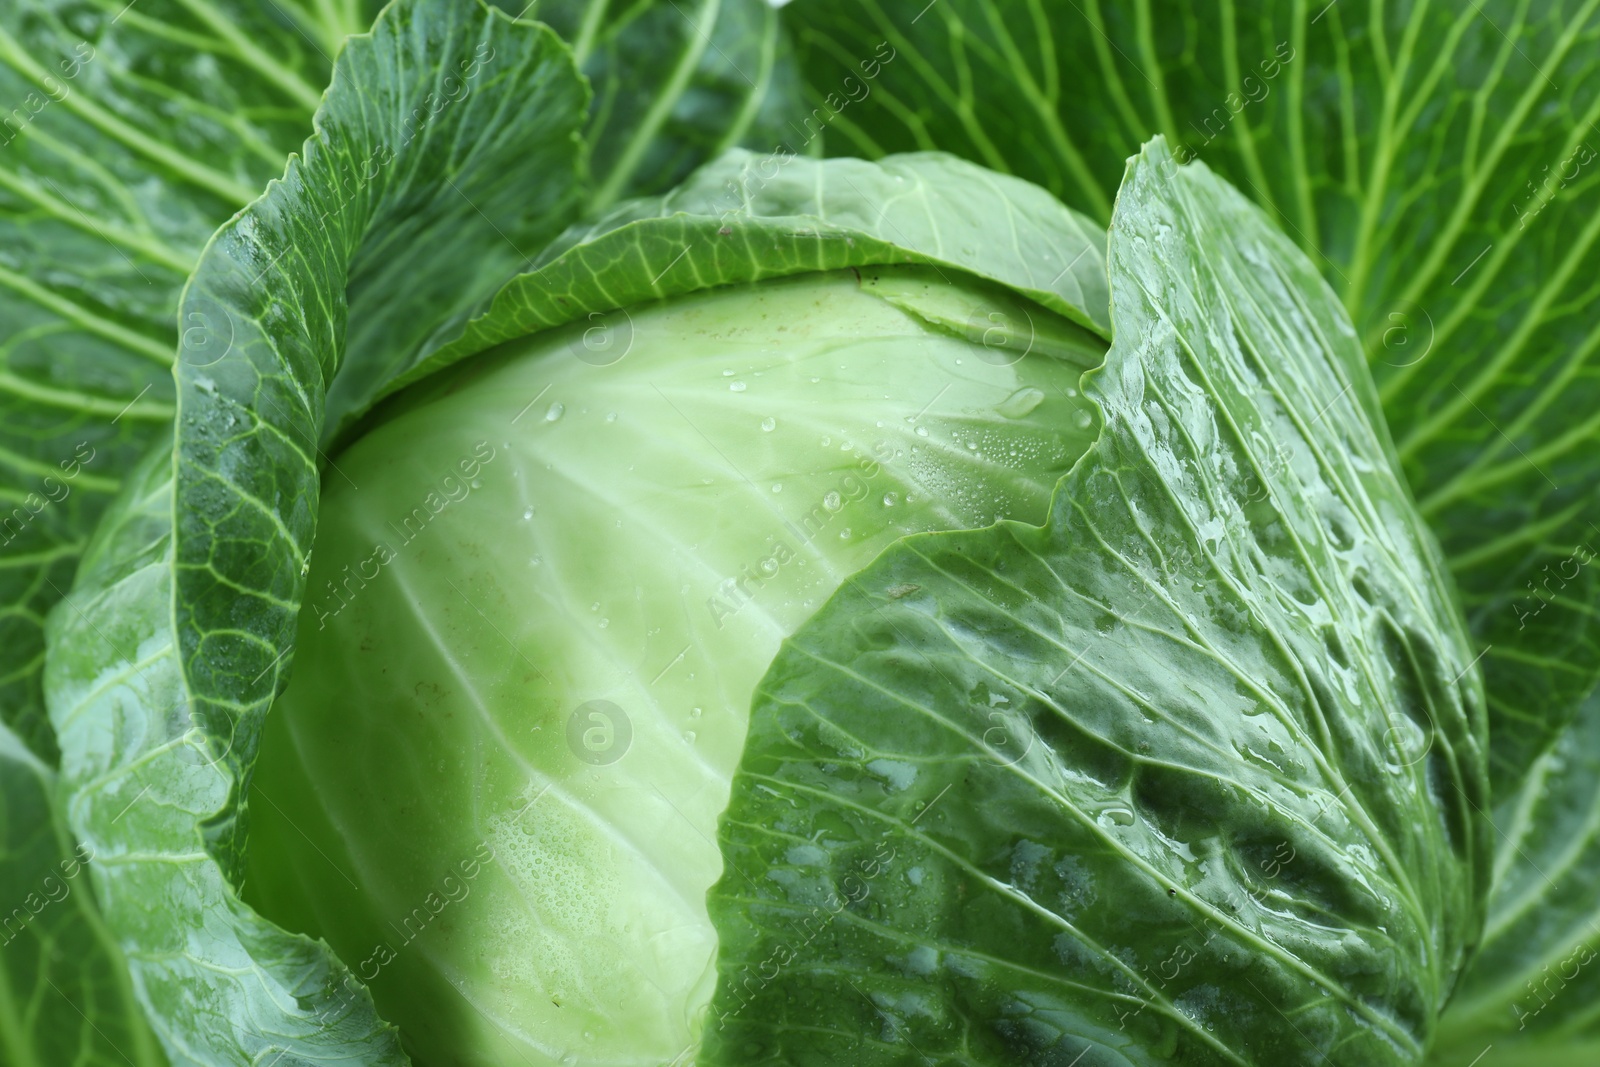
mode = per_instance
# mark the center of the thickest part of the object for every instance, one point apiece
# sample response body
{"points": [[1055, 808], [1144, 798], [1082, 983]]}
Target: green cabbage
{"points": [[543, 667], [517, 547]]}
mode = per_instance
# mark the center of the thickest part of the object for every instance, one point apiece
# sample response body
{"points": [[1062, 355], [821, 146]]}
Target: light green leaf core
{"points": [[542, 593]]}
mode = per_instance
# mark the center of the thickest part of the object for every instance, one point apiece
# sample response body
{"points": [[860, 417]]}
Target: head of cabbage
{"points": [[546, 584], [786, 628]]}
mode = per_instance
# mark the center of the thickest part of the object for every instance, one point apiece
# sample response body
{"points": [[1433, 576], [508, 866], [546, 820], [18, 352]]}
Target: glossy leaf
{"points": [[130, 132], [176, 636], [1436, 161], [127, 135], [1190, 774]]}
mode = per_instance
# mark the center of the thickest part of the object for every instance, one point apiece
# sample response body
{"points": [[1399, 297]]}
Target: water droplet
{"points": [[694, 713], [1020, 402], [972, 446], [1117, 816], [769, 424], [604, 623], [527, 513], [555, 412], [611, 416], [1083, 419], [844, 534], [727, 374], [689, 736], [833, 501], [922, 431], [826, 441], [736, 387], [777, 487], [891, 499]]}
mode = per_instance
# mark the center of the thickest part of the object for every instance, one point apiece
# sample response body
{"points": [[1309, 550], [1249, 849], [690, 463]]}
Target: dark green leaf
{"points": [[165, 657], [1534, 990], [1437, 161], [128, 133], [1191, 774], [676, 83], [746, 217], [65, 996]]}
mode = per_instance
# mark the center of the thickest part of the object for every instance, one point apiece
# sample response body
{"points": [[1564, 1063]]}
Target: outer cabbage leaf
{"points": [[1191, 774], [746, 217], [1533, 993], [1437, 162], [165, 657], [128, 133], [675, 84], [64, 990]]}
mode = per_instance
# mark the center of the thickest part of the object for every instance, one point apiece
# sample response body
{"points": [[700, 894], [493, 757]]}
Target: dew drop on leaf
{"points": [[1020, 402]]}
